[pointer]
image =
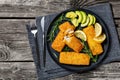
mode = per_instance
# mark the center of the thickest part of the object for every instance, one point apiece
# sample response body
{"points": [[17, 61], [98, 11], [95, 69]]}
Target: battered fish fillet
{"points": [[65, 26], [74, 58], [58, 43], [95, 47], [74, 43]]}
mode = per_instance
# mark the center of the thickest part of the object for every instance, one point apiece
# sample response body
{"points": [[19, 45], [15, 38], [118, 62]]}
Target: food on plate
{"points": [[75, 22], [69, 32], [65, 26], [74, 58], [94, 19], [73, 43], [91, 19], [86, 23], [71, 14], [79, 16], [58, 43], [98, 29], [80, 34], [79, 38], [84, 16], [95, 47], [100, 38]]}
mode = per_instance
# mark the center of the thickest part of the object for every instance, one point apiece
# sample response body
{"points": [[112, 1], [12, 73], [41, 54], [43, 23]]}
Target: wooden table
{"points": [[16, 62]]}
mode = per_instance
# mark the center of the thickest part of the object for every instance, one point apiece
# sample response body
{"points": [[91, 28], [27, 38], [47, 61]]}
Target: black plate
{"points": [[92, 65]]}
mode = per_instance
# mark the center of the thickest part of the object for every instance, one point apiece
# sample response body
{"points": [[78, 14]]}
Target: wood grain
{"points": [[17, 71], [26, 71], [30, 8], [14, 44]]}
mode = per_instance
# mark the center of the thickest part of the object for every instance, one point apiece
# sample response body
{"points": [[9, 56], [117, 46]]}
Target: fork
{"points": [[34, 31]]}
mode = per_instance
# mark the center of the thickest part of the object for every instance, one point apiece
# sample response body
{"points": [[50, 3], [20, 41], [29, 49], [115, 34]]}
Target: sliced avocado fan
{"points": [[86, 23], [75, 22], [79, 16], [91, 19], [84, 17], [71, 14]]}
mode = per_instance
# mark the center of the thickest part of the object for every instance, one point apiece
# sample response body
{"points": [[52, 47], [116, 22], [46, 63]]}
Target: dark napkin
{"points": [[52, 70]]}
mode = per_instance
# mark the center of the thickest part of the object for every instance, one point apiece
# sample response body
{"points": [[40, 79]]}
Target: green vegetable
{"points": [[91, 19], [94, 19], [86, 23], [55, 55], [88, 51], [79, 16], [84, 17], [66, 48], [71, 15], [75, 22]]}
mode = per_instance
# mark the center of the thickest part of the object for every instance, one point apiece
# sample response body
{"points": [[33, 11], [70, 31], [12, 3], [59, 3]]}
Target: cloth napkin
{"points": [[52, 70]]}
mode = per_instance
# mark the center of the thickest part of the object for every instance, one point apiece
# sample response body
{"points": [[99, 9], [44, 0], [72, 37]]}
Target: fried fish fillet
{"points": [[65, 26], [73, 43], [95, 47], [74, 58], [58, 43]]}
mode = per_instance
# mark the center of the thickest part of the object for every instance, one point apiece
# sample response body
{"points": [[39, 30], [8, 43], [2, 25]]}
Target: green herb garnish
{"points": [[55, 55], [88, 51], [66, 48]]}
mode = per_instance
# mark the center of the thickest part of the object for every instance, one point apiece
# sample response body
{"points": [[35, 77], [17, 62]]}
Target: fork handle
{"points": [[37, 51]]}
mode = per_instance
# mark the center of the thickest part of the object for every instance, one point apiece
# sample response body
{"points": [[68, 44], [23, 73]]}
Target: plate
{"points": [[55, 55]]}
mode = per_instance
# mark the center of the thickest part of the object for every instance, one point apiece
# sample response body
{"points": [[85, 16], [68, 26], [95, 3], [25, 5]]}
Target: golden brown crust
{"points": [[74, 43], [74, 58], [58, 43], [95, 47], [65, 26]]}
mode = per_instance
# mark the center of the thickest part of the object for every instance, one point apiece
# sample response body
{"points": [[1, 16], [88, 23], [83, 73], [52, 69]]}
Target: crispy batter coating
{"points": [[95, 47], [74, 43], [58, 43], [74, 58], [65, 26]]}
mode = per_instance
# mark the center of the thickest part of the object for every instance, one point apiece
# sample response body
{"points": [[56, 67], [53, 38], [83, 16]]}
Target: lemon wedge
{"points": [[98, 29], [100, 38], [80, 34]]}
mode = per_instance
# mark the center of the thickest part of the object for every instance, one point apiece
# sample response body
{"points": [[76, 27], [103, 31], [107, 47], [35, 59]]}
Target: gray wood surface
{"points": [[16, 62]]}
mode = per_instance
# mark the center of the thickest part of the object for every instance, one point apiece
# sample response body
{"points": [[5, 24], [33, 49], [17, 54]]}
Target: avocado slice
{"points": [[84, 17], [75, 22], [91, 19], [71, 14], [86, 23], [79, 16], [94, 19]]}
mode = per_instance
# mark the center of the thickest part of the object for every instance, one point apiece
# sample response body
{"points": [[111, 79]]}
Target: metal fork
{"points": [[34, 31]]}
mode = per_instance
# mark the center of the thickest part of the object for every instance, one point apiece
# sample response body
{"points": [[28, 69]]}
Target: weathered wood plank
{"points": [[15, 51], [26, 71], [14, 43], [14, 26], [30, 8], [17, 71]]}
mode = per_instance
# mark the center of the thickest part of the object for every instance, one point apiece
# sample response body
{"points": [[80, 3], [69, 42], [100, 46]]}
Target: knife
{"points": [[44, 47]]}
